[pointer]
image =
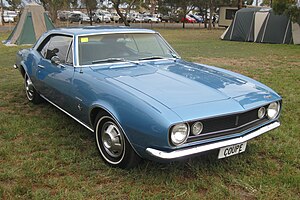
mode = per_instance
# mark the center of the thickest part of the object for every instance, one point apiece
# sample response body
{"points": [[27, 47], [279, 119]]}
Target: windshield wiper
{"points": [[108, 60], [152, 58], [174, 55]]}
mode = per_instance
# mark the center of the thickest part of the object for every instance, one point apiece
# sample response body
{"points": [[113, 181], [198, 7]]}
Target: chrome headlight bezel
{"points": [[177, 136], [273, 110]]}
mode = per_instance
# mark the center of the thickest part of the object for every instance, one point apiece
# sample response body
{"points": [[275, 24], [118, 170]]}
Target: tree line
{"points": [[180, 7]]}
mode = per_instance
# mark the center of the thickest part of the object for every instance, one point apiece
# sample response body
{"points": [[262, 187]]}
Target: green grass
{"points": [[46, 155]]}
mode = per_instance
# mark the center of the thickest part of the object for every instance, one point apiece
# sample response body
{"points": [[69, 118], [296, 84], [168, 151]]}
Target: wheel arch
{"points": [[22, 70], [94, 112], [100, 108]]}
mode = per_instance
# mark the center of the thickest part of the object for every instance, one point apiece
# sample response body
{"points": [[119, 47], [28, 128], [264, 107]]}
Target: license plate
{"points": [[232, 150]]}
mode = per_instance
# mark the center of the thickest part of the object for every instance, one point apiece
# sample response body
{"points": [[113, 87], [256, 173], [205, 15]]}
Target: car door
{"points": [[55, 70]]}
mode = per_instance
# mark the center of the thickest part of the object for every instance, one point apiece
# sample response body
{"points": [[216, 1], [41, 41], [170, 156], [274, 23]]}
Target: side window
{"points": [[58, 46]]}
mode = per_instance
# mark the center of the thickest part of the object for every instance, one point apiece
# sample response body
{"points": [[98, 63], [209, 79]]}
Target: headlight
{"points": [[179, 134], [261, 112], [273, 110], [197, 128]]}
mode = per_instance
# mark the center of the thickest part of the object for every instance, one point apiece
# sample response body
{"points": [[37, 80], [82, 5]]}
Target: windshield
{"points": [[119, 47]]}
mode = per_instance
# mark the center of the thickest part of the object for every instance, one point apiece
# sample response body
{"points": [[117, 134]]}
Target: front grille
{"points": [[226, 125]]}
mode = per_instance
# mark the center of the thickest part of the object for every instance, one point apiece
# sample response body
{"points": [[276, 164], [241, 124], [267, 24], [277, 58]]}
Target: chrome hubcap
{"points": [[112, 140], [29, 88]]}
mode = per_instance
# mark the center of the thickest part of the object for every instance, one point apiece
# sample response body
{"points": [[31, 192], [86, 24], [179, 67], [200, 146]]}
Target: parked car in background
{"points": [[165, 18], [63, 15], [8, 19], [106, 14], [174, 18], [140, 99], [198, 18], [100, 17], [151, 18], [188, 19], [115, 17], [79, 17], [9, 16], [138, 18]]}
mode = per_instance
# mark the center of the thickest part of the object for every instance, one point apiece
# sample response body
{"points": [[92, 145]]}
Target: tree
{"points": [[117, 3], [288, 7], [2, 10], [52, 6], [90, 5], [240, 4], [14, 3], [186, 6], [182, 7]]}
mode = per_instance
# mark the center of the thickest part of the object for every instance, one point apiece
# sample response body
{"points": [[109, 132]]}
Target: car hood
{"points": [[179, 84]]}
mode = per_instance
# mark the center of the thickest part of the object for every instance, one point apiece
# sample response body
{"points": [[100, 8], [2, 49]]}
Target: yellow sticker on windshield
{"points": [[84, 39]]}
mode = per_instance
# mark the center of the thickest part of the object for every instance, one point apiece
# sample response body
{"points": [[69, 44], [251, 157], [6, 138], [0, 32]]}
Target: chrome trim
{"points": [[120, 31], [99, 147], [203, 148], [135, 62], [83, 124], [278, 110], [187, 136], [41, 66], [226, 130]]}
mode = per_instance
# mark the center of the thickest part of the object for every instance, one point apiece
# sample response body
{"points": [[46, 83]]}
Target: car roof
{"points": [[86, 30]]}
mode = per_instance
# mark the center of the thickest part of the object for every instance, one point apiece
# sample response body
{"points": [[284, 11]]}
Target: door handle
{"points": [[41, 66], [61, 66]]}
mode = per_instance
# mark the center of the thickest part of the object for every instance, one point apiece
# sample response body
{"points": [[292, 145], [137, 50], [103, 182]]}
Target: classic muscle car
{"points": [[140, 99]]}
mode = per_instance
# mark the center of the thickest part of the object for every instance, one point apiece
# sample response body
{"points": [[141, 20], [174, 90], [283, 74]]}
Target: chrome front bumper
{"points": [[203, 148]]}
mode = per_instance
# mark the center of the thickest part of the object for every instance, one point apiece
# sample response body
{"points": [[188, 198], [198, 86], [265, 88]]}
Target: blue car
{"points": [[140, 99]]}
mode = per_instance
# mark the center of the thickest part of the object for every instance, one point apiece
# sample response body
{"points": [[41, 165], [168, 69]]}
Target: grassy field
{"points": [[46, 155]]}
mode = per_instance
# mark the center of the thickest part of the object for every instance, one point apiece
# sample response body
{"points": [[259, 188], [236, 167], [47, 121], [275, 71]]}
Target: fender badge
{"points": [[268, 96]]}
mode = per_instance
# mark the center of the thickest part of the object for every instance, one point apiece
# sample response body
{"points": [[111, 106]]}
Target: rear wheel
{"points": [[112, 144], [31, 93]]}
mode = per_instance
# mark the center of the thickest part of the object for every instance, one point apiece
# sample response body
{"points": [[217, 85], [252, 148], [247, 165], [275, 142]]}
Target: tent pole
{"points": [[249, 34], [263, 37], [287, 26], [233, 26]]}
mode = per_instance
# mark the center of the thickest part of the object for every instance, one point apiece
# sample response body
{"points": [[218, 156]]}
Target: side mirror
{"points": [[55, 60]]}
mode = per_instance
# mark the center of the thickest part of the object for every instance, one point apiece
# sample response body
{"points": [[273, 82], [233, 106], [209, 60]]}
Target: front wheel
{"points": [[31, 93], [112, 144]]}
